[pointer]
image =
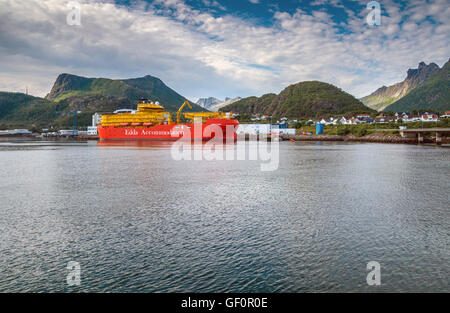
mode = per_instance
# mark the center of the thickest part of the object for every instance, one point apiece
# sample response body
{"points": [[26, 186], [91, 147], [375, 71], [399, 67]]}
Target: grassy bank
{"points": [[367, 129]]}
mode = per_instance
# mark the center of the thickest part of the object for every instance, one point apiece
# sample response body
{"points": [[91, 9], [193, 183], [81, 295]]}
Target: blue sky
{"points": [[221, 48]]}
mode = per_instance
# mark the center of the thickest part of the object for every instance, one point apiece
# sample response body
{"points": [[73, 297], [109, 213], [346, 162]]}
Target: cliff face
{"points": [[384, 96], [66, 82]]}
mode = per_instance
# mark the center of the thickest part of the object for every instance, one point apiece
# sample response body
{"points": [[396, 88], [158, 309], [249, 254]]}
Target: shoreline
{"points": [[372, 138]]}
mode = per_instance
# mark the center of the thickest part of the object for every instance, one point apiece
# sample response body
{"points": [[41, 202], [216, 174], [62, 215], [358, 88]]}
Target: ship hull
{"points": [[223, 129]]}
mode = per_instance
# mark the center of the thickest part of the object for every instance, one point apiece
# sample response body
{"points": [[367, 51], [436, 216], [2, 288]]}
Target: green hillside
{"points": [[305, 99], [21, 110]]}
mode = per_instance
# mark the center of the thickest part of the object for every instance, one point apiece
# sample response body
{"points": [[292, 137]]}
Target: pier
{"points": [[418, 134]]}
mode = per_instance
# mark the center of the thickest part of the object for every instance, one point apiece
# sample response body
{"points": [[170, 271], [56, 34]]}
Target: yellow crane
{"points": [[181, 109], [202, 116], [205, 115]]}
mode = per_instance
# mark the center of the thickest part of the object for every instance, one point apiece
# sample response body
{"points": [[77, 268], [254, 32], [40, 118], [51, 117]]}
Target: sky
{"points": [[220, 48]]}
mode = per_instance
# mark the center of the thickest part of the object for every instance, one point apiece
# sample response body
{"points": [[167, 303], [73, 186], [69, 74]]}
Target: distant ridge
{"points": [[208, 102], [214, 104]]}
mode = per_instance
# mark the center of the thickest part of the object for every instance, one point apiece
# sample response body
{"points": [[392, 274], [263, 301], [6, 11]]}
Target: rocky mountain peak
{"points": [[385, 96], [214, 104], [208, 102], [423, 71], [66, 82]]}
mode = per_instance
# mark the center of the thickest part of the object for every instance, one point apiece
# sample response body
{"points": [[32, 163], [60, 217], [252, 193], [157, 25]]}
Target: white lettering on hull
{"points": [[143, 132]]}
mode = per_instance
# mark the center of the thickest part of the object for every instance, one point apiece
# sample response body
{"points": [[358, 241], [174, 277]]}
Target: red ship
{"points": [[151, 122]]}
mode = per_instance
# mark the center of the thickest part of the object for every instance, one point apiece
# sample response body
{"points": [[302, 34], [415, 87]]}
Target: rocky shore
{"points": [[380, 138], [312, 138]]}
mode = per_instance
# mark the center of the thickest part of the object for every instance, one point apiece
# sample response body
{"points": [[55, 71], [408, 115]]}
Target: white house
{"points": [[330, 121], [401, 116], [429, 117]]}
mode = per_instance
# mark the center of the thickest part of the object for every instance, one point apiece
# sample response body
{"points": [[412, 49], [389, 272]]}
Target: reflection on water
{"points": [[136, 220], [136, 143]]}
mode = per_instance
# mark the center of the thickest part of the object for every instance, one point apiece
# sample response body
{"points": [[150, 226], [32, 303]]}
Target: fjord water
{"points": [[138, 221]]}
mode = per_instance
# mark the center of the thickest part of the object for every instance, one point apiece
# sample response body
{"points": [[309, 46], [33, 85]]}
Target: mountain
{"points": [[69, 86], [385, 96], [224, 103], [214, 104], [304, 99], [208, 102], [89, 95], [432, 94]]}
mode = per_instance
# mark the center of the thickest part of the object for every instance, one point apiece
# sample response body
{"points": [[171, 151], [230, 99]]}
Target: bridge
{"points": [[418, 133]]}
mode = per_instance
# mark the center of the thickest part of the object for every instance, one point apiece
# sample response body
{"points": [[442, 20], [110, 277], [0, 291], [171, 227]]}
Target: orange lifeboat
{"points": [[124, 124], [148, 124], [136, 124]]}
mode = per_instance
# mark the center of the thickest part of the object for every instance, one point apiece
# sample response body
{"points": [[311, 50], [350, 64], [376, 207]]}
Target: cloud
{"points": [[200, 54]]}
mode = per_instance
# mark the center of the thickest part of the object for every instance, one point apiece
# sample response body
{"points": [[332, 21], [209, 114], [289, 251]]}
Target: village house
{"points": [[401, 116], [429, 117], [365, 119], [384, 119], [356, 121], [412, 118], [349, 121], [330, 121]]}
